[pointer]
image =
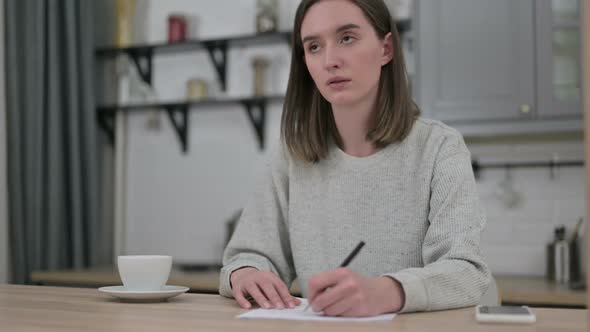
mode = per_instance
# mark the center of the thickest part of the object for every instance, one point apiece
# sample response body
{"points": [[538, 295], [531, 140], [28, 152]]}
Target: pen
{"points": [[346, 261]]}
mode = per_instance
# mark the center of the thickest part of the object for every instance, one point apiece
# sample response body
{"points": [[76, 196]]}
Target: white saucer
{"points": [[167, 292]]}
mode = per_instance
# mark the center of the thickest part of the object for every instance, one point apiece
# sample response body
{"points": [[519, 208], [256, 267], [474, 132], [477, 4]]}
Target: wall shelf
{"points": [[142, 56], [178, 113], [200, 44]]}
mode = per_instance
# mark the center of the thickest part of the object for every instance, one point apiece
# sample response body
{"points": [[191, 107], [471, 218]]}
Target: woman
{"points": [[358, 163]]}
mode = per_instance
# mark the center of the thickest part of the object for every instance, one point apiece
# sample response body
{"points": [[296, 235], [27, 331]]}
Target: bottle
{"points": [[550, 264], [575, 260], [561, 256]]}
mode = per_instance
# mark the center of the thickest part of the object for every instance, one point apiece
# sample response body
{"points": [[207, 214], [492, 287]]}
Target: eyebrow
{"points": [[340, 29]]}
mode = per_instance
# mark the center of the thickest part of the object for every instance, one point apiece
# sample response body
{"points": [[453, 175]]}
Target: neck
{"points": [[353, 123]]}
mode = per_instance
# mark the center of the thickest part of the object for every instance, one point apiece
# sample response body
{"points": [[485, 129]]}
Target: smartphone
{"points": [[504, 314]]}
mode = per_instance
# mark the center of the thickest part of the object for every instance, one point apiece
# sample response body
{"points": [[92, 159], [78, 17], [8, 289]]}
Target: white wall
{"points": [[515, 238], [177, 204], [3, 191]]}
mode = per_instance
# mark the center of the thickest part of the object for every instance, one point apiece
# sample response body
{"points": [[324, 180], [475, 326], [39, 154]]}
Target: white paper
{"points": [[298, 313]]}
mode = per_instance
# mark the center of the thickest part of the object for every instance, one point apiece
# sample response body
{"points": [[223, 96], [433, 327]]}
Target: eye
{"points": [[347, 39], [313, 48]]}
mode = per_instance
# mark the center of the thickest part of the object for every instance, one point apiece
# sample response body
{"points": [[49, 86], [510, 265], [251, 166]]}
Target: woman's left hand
{"points": [[343, 292]]}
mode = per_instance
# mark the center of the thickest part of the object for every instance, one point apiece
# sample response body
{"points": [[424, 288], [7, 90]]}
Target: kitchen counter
{"points": [[538, 291], [533, 291]]}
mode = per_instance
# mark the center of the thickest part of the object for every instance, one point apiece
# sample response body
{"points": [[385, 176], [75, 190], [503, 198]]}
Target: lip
{"points": [[337, 81]]}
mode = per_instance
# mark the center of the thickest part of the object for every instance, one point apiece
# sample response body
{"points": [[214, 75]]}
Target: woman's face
{"points": [[342, 51]]}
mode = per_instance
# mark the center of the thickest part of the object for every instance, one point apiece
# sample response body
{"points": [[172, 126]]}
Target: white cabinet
{"points": [[493, 67]]}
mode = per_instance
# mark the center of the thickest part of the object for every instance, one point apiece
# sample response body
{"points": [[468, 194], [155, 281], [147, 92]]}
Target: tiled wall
{"points": [[516, 234]]}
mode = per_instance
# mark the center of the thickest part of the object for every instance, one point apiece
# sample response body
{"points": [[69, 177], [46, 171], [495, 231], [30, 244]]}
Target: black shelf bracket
{"points": [[178, 113], [180, 125], [289, 39], [552, 165], [106, 120], [144, 62], [218, 53], [257, 121]]}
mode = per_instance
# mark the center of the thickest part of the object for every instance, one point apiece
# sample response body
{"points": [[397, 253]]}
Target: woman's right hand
{"points": [[268, 290]]}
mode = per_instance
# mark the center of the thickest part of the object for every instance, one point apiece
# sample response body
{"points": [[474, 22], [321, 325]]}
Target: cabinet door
{"points": [[475, 59], [559, 58]]}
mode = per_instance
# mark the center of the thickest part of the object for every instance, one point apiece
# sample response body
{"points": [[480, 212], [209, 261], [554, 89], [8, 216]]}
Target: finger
{"points": [[321, 281], [258, 296], [352, 312], [241, 299], [339, 307], [340, 292], [283, 291], [271, 293]]}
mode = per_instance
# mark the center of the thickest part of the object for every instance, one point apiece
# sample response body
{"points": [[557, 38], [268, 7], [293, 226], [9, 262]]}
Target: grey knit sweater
{"points": [[414, 203]]}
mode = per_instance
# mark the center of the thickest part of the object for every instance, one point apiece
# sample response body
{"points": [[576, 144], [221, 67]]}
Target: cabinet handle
{"points": [[525, 108]]}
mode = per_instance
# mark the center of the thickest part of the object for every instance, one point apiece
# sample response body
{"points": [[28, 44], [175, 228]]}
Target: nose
{"points": [[331, 58]]}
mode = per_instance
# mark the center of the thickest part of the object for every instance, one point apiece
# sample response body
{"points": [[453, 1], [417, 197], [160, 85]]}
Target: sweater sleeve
{"points": [[454, 274], [261, 239]]}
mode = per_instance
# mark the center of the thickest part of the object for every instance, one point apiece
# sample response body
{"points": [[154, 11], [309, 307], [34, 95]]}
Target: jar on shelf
{"points": [[260, 65], [266, 16], [125, 15], [177, 26], [196, 89]]}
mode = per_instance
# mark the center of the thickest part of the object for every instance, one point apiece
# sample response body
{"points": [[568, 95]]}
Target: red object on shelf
{"points": [[176, 28]]}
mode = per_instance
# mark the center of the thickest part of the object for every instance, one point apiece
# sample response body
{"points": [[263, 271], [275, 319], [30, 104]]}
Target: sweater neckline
{"points": [[341, 157]]}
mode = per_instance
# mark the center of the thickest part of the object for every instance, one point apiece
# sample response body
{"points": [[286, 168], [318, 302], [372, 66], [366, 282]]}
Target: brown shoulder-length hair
{"points": [[307, 122]]}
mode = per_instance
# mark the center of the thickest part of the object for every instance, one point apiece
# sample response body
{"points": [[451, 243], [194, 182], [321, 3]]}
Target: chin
{"points": [[341, 99]]}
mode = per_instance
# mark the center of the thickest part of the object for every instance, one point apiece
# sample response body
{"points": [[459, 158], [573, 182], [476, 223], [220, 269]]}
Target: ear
{"points": [[387, 49]]}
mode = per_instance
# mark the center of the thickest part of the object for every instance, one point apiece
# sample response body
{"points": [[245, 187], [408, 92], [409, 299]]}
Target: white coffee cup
{"points": [[144, 272]]}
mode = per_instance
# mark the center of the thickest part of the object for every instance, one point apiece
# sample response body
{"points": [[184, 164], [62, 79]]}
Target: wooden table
{"points": [[534, 291], [42, 308]]}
